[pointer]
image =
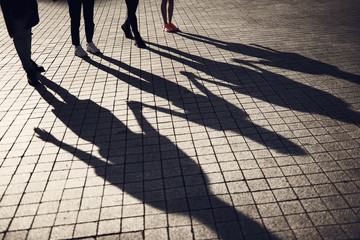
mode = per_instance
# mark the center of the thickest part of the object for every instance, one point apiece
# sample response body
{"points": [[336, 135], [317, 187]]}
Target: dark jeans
{"points": [[22, 42], [131, 16], [75, 15]]}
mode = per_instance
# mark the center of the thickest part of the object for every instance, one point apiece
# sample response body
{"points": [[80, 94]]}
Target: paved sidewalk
{"points": [[244, 125]]}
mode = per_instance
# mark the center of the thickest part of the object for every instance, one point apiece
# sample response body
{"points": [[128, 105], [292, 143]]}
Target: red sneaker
{"points": [[173, 27], [167, 28]]}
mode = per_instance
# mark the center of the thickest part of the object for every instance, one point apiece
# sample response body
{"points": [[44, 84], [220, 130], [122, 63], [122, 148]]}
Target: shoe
{"points": [[173, 27], [80, 52], [167, 27], [37, 68], [127, 31], [140, 43], [90, 47], [32, 78]]}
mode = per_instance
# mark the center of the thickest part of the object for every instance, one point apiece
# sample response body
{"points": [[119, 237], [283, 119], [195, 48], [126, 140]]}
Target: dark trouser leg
{"points": [[75, 13], [22, 42], [131, 16], [88, 6]]}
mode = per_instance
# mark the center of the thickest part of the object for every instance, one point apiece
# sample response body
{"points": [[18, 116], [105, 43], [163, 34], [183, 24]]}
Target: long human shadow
{"points": [[265, 85], [147, 165], [176, 94], [274, 58]]}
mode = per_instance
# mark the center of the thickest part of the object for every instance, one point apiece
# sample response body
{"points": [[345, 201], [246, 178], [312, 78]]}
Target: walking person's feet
{"points": [[173, 27], [80, 52], [37, 68], [169, 27], [91, 48], [126, 28], [140, 43], [32, 77]]}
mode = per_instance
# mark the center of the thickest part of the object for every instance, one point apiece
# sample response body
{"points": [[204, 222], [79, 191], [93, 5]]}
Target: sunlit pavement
{"points": [[244, 125]]}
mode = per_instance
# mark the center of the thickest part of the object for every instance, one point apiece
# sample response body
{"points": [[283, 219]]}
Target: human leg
{"points": [[167, 9], [127, 30], [170, 9], [170, 12], [88, 7], [126, 26], [132, 21], [75, 14], [163, 11], [22, 43], [166, 25], [131, 16]]}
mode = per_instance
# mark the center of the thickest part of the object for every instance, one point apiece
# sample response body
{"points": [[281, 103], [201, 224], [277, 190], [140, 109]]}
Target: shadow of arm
{"points": [[80, 154]]}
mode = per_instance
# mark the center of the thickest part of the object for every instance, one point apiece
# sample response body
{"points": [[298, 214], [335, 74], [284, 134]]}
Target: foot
{"points": [[80, 52], [91, 48], [37, 68], [173, 27], [32, 77], [127, 31], [140, 43], [167, 27]]}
